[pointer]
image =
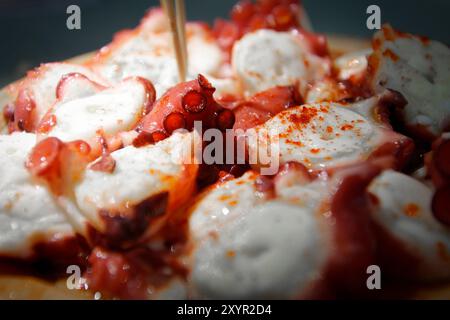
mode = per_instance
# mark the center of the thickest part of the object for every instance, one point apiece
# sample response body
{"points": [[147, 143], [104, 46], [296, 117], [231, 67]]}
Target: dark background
{"points": [[34, 31]]}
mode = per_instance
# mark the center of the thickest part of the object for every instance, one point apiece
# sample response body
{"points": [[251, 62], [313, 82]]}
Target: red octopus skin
{"points": [[68, 88], [116, 274], [130, 274], [180, 106], [353, 231], [50, 258], [398, 261], [247, 16], [23, 112], [64, 87], [58, 164], [353, 246], [28, 104], [437, 162], [264, 105]]}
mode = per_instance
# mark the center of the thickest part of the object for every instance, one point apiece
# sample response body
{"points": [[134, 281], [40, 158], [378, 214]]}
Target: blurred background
{"points": [[34, 31]]}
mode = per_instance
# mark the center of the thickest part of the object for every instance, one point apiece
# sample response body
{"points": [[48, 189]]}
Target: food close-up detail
{"points": [[103, 167]]}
